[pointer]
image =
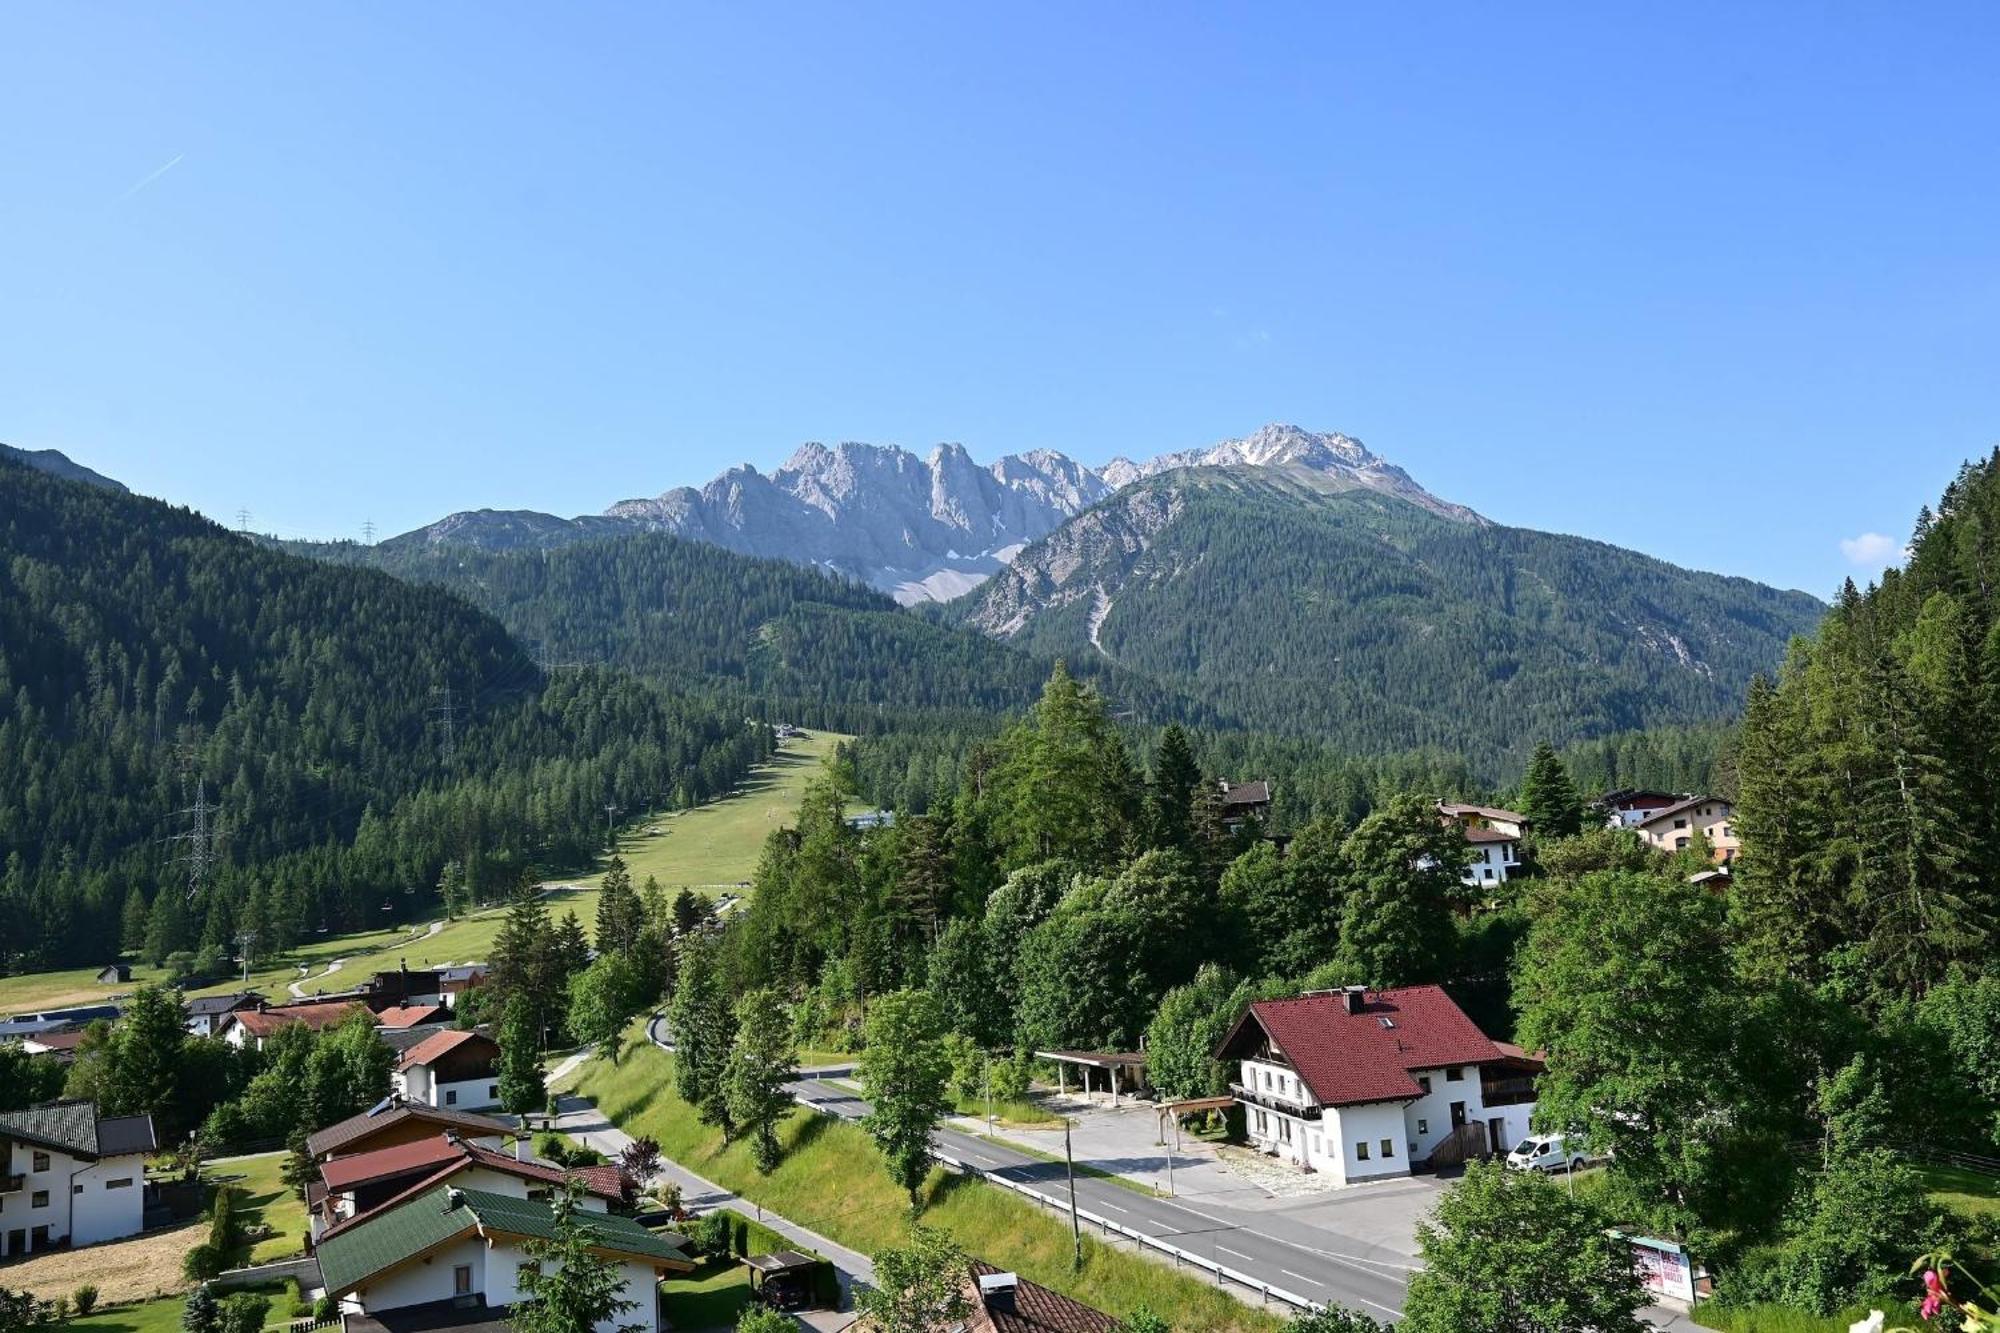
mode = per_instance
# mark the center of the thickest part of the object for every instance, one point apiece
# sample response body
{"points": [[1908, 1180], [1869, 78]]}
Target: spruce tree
{"points": [[703, 1027], [762, 1060], [1548, 798], [1170, 800], [522, 1092]]}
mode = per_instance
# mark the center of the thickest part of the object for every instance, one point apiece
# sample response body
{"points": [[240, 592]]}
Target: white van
{"points": [[1546, 1152]]}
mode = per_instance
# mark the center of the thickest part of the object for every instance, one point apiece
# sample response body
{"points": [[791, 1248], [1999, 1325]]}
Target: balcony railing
{"points": [[1282, 1105], [12, 1184]]}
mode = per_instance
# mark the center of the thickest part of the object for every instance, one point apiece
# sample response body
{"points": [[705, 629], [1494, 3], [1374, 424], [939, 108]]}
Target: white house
{"points": [[1494, 855], [450, 1068], [254, 1026], [206, 1012], [1368, 1084], [443, 1256], [68, 1177], [1673, 827], [1511, 822]]}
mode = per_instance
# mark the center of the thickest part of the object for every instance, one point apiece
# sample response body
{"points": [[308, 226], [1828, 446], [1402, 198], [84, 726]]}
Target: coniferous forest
{"points": [[345, 733]]}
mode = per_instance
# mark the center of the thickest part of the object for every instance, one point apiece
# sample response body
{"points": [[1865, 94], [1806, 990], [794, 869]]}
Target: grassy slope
{"points": [[266, 1200], [714, 844], [833, 1181]]}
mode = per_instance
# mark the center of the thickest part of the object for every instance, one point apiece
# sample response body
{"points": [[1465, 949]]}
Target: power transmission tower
{"points": [[368, 532], [197, 841], [242, 519], [444, 715]]}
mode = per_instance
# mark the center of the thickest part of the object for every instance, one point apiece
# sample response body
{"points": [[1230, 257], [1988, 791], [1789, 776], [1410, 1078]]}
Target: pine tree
{"points": [[703, 1026], [522, 1092], [133, 921], [1175, 777], [620, 917], [1548, 798]]}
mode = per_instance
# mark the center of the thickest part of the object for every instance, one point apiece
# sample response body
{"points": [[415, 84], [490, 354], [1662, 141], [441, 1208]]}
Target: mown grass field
{"points": [[717, 844], [714, 844], [266, 1201], [708, 1298], [832, 1180]]}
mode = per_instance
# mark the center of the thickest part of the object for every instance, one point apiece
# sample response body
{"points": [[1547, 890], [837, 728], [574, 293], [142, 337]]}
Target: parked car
{"points": [[1546, 1152]]}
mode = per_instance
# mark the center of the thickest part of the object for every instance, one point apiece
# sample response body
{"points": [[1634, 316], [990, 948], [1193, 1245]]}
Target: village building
{"points": [[456, 981], [393, 1121], [1368, 1084], [1244, 803], [117, 974], [411, 1015], [1494, 835], [351, 1188], [452, 1068], [71, 1177], [1627, 807], [403, 987], [451, 1257], [206, 1012], [254, 1026], [1672, 828], [61, 1044]]}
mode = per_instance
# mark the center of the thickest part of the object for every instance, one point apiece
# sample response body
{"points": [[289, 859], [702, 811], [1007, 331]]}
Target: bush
{"points": [[203, 1262], [325, 1308], [244, 1312], [223, 1230], [760, 1318], [84, 1298], [712, 1234]]}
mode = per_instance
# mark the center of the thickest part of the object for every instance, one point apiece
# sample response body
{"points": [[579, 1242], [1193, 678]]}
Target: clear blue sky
{"points": [[1721, 282]]}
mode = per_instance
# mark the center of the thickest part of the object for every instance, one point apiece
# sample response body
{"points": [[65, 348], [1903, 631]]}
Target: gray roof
{"points": [[402, 1039], [74, 1127], [221, 1004]]}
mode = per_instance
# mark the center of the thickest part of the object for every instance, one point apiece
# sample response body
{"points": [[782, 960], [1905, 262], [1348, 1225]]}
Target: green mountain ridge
{"points": [[151, 661], [1365, 620]]}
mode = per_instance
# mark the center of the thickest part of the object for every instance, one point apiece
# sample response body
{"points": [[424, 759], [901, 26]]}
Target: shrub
{"points": [[223, 1230], [84, 1298], [760, 1318], [325, 1308], [244, 1312], [711, 1234], [203, 1262]]}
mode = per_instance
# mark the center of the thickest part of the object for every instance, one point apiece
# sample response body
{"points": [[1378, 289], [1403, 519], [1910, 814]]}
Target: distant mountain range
{"points": [[58, 464], [920, 529]]}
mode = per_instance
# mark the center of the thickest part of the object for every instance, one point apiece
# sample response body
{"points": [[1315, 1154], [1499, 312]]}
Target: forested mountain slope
{"points": [[1378, 625], [1869, 772], [151, 661], [813, 648]]}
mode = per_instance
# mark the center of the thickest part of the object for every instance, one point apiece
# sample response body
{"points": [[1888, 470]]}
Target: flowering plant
{"points": [[1938, 1271]]}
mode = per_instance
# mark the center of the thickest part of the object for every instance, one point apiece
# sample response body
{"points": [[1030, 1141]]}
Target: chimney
{"points": [[521, 1153], [996, 1291], [1354, 997], [454, 1198]]}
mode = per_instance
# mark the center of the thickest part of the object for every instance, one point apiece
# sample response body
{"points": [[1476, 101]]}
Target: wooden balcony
{"points": [[1270, 1102]]}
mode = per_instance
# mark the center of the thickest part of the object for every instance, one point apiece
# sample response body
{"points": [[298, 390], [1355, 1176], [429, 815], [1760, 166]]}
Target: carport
{"points": [[1121, 1068]]}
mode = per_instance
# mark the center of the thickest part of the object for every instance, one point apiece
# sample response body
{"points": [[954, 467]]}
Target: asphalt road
{"points": [[1299, 1269]]}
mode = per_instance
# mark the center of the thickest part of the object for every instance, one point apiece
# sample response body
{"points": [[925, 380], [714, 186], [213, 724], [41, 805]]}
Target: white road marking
{"points": [[1106, 1203], [1244, 1257], [1302, 1277]]}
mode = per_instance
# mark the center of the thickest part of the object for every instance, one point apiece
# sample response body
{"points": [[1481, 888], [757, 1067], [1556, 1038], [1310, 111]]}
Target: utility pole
{"points": [[244, 939], [988, 1071], [610, 834], [1075, 1227]]}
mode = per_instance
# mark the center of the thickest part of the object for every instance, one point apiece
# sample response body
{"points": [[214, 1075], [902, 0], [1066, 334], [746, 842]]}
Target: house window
{"points": [[451, 1097], [1680, 823], [39, 1199], [461, 1280], [1262, 1127], [1388, 1148], [122, 1183], [41, 1162], [1454, 1075], [1424, 1082], [1680, 844], [1361, 1152], [531, 1267], [76, 1189], [1488, 872], [1423, 1127], [1284, 1131]]}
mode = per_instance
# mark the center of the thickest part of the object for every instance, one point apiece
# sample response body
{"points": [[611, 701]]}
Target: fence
{"points": [[1224, 1275]]}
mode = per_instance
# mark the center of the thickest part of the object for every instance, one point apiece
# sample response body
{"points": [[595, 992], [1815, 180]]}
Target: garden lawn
{"points": [[267, 1200], [162, 1316], [833, 1180], [1967, 1192], [710, 1297]]}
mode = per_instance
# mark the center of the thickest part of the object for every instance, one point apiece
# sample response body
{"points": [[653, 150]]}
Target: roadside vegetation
{"points": [[831, 1178]]}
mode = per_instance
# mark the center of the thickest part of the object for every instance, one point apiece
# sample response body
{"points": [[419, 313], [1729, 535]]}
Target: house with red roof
{"points": [[1369, 1084], [453, 1068], [254, 1027], [351, 1188]]}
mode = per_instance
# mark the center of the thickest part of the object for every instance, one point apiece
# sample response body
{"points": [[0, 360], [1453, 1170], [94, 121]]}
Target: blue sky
{"points": [[1721, 283]]}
